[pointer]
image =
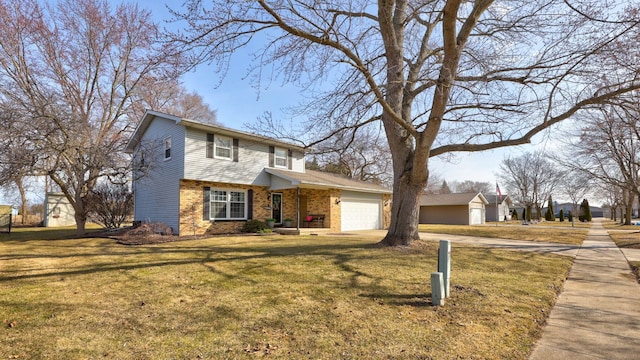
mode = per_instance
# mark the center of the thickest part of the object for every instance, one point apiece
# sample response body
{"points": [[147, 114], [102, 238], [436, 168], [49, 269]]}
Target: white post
{"points": [[437, 289], [444, 264]]}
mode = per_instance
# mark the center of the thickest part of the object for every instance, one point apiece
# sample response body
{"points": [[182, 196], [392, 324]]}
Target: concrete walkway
{"points": [[597, 315]]}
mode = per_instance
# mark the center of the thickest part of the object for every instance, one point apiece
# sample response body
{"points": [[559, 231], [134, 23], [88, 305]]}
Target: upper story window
{"points": [[222, 147], [280, 158], [167, 148]]}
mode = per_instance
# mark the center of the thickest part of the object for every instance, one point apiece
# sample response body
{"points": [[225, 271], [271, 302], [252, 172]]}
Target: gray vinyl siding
{"points": [[253, 157], [157, 195], [298, 161], [278, 183]]}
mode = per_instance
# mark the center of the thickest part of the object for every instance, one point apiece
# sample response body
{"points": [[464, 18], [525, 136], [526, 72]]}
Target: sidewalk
{"points": [[597, 315]]}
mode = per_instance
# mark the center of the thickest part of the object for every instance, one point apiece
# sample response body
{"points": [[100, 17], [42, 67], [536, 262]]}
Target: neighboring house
{"points": [[58, 211], [209, 179], [453, 209], [595, 210], [6, 211], [498, 207]]}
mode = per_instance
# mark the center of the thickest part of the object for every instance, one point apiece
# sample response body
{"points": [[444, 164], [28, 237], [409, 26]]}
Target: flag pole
{"points": [[498, 193]]}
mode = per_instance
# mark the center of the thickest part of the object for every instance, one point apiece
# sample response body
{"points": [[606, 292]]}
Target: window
{"points": [[280, 158], [228, 204], [222, 147], [167, 148]]}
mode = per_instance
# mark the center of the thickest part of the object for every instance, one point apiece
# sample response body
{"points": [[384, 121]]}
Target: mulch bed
{"points": [[144, 234]]}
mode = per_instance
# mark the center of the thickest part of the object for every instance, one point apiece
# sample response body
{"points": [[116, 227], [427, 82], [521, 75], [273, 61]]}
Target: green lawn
{"points": [[278, 296]]}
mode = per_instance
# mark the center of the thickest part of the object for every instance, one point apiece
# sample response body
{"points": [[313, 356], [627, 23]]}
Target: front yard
{"points": [[267, 296]]}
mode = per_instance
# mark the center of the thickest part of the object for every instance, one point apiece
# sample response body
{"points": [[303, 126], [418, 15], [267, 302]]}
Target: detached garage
{"points": [[360, 211], [453, 209]]}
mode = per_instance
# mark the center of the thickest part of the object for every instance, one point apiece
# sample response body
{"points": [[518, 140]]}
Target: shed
{"points": [[58, 211], [453, 209]]}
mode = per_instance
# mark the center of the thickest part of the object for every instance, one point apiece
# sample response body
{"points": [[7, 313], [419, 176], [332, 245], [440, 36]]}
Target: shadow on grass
{"points": [[42, 233], [107, 256], [415, 300]]}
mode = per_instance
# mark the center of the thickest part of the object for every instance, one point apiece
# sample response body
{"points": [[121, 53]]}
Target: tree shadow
{"points": [[414, 300], [109, 255]]}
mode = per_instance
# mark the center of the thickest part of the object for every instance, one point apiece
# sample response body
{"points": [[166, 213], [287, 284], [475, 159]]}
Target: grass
{"points": [[539, 232], [277, 296], [629, 240]]}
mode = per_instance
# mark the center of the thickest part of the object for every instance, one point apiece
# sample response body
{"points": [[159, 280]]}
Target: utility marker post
{"points": [[437, 289], [444, 264]]}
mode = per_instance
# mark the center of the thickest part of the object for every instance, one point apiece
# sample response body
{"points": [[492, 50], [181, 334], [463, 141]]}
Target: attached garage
{"points": [[360, 211]]}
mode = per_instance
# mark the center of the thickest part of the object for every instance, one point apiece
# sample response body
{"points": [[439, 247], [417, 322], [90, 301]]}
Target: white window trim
{"points": [[276, 157], [170, 148], [215, 147], [229, 191]]}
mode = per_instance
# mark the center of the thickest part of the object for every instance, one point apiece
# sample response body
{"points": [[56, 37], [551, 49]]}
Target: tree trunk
{"points": [[405, 211], [23, 201], [628, 212], [81, 221]]}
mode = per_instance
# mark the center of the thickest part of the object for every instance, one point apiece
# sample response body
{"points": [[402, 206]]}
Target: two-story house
{"points": [[207, 179]]}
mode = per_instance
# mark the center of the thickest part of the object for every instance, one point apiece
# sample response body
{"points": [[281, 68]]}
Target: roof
{"points": [[492, 199], [320, 179], [149, 115], [450, 199]]}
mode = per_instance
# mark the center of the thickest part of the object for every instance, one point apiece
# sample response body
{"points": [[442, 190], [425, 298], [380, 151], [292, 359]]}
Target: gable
{"points": [[452, 199]]}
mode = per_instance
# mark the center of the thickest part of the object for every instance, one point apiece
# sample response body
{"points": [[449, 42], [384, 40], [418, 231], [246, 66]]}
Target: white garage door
{"points": [[476, 216], [361, 213]]}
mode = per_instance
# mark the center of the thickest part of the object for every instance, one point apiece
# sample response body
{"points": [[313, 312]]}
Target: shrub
{"points": [[585, 211], [514, 215], [561, 215], [110, 205], [550, 214], [254, 226]]}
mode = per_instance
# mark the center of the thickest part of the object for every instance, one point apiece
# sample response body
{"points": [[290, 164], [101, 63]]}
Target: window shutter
{"points": [[235, 149], [209, 145], [249, 204], [289, 159], [206, 203], [272, 151]]}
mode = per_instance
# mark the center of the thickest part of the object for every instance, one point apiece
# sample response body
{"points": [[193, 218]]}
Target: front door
{"points": [[276, 207]]}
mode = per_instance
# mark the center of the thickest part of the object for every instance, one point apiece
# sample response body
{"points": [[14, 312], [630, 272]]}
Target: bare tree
{"points": [[71, 69], [171, 97], [576, 185], [468, 186], [608, 149], [16, 157], [441, 76], [530, 179], [434, 184], [363, 156]]}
